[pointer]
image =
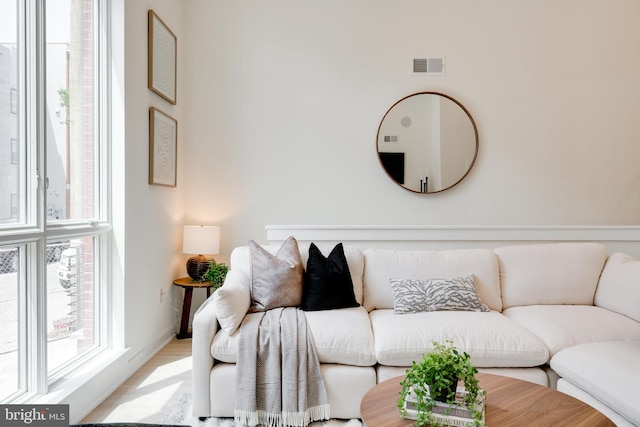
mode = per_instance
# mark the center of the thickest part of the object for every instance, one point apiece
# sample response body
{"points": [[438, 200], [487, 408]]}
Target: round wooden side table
{"points": [[188, 285]]}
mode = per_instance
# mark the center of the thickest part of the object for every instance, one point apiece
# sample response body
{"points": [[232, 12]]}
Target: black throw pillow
{"points": [[327, 281]]}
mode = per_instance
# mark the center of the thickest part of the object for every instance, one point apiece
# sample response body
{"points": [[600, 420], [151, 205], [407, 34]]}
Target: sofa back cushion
{"points": [[555, 273], [382, 265], [241, 260], [619, 286]]}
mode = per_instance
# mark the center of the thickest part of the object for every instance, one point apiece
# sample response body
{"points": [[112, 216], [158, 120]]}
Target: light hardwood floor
{"points": [[146, 395]]}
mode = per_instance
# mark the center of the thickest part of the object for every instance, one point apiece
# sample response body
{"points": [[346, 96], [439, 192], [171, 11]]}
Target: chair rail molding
{"points": [[443, 237], [531, 233]]}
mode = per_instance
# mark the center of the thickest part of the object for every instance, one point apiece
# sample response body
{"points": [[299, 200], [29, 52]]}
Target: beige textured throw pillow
{"points": [[276, 280]]}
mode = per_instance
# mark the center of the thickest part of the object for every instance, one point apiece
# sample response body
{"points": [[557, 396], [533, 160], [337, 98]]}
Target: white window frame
{"points": [[32, 231]]}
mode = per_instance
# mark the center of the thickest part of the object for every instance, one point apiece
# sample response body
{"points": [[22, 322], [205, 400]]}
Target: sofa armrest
{"points": [[619, 286], [221, 313], [205, 326]]}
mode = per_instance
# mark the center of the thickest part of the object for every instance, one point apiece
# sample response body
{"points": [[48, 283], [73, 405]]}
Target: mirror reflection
{"points": [[427, 142]]}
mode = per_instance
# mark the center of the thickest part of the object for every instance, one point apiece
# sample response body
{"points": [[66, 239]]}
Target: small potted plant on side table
{"points": [[215, 274], [428, 392]]}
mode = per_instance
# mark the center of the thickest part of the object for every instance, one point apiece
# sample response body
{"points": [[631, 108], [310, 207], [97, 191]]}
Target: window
{"points": [[14, 152], [54, 223]]}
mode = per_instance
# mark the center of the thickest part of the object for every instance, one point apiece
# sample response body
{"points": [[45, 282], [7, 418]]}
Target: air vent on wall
{"points": [[431, 66], [391, 139]]}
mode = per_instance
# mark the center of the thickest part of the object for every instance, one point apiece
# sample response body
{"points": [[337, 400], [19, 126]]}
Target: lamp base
{"points": [[197, 266]]}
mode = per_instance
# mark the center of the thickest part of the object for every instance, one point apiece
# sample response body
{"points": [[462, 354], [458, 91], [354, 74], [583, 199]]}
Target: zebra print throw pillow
{"points": [[454, 294]]}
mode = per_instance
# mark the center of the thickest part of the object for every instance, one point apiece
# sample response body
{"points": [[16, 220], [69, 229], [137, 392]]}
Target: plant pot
{"points": [[442, 396]]}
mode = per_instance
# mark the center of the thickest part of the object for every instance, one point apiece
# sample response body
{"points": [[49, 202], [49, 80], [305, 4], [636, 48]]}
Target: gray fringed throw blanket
{"points": [[278, 381]]}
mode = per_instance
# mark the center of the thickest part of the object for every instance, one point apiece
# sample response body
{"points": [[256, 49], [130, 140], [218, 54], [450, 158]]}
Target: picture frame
{"points": [[163, 148], [162, 61]]}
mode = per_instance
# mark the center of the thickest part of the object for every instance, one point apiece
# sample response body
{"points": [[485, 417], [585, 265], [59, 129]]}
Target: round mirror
{"points": [[427, 142]]}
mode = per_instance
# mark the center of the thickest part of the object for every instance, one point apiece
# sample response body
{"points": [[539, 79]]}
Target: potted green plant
{"points": [[215, 274], [435, 378]]}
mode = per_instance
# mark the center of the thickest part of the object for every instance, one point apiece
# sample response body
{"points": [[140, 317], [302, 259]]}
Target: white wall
{"points": [[152, 214], [285, 98]]}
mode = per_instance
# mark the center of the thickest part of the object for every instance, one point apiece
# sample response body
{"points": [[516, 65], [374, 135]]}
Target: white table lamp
{"points": [[200, 240]]}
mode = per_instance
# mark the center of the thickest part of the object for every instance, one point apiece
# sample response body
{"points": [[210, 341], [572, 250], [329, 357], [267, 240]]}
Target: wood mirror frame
{"points": [[427, 142]]}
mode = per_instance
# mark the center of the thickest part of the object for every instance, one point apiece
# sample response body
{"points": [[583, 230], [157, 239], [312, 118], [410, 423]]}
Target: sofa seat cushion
{"points": [[490, 338], [562, 326], [340, 335], [606, 371]]}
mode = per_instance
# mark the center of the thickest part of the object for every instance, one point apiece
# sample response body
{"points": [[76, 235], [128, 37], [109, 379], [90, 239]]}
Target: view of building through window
{"points": [[12, 161], [71, 184], [10, 152], [70, 109]]}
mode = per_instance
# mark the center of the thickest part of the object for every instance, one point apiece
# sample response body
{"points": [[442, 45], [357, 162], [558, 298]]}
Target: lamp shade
{"points": [[201, 239]]}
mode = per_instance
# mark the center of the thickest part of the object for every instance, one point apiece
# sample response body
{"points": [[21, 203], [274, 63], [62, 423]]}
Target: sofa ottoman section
{"points": [[606, 371]]}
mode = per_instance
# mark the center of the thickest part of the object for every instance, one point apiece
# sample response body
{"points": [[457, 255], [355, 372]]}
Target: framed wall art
{"points": [[163, 148], [162, 63]]}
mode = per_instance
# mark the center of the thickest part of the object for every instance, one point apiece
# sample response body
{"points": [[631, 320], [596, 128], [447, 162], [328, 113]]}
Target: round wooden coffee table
{"points": [[510, 402]]}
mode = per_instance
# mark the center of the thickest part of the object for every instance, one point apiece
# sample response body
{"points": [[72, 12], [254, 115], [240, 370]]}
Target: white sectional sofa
{"points": [[565, 314]]}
